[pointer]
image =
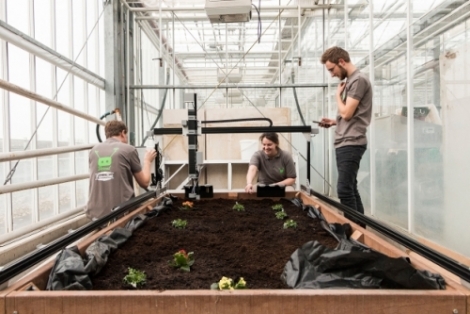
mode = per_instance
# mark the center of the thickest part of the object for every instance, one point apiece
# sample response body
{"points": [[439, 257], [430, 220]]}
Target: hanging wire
{"points": [[12, 170]]}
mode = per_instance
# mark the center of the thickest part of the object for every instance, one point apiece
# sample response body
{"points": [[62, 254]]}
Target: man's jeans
{"points": [[348, 159]]}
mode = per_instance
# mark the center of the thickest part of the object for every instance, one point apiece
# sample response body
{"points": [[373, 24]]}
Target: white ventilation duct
{"points": [[228, 11]]}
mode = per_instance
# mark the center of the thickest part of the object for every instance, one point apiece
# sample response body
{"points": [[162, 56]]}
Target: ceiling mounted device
{"points": [[228, 11]]}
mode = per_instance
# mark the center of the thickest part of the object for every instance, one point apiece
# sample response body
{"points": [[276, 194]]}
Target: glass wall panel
{"points": [[79, 28], [64, 119], [82, 192], [62, 29], [18, 15], [66, 191], [44, 112], [22, 207], [47, 196], [3, 208], [43, 22]]}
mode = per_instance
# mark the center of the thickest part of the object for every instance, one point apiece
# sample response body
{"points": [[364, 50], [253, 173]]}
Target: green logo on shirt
{"points": [[281, 170], [104, 163]]}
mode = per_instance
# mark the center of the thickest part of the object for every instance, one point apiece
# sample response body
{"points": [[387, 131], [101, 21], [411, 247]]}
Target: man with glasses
{"points": [[113, 165], [354, 102]]}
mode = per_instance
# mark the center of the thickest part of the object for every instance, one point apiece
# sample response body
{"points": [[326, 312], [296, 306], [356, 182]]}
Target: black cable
{"points": [[238, 120], [297, 101], [161, 108], [98, 126], [259, 22]]}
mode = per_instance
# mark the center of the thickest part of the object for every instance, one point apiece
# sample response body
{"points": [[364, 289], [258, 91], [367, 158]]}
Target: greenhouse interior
{"points": [[67, 67]]}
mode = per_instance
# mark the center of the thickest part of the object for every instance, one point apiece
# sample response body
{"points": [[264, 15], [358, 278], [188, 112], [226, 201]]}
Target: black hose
{"points": [[297, 101], [237, 120], [98, 126], [161, 109]]}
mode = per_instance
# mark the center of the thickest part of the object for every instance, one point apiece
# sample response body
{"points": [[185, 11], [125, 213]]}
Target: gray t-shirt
{"points": [[353, 132], [274, 169], [112, 165]]}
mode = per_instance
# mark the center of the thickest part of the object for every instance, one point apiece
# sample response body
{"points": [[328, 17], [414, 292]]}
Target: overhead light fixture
{"points": [[228, 11]]}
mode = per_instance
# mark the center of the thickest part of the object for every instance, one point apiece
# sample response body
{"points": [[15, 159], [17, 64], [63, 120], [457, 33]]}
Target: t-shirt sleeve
{"points": [[255, 160], [357, 88], [135, 161], [290, 167]]}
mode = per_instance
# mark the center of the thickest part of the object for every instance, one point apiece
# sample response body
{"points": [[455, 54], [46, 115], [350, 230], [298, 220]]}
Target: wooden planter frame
{"points": [[26, 296]]}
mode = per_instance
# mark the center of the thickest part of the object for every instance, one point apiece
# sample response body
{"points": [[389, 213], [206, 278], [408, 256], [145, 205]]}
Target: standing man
{"points": [[354, 101], [113, 165]]}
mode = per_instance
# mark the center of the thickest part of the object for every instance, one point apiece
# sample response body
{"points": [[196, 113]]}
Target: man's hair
{"points": [[114, 128], [273, 137], [333, 55]]}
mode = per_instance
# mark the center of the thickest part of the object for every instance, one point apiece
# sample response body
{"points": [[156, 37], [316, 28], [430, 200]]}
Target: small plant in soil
{"points": [[277, 207], [187, 205], [238, 207], [290, 224], [281, 214], [179, 223], [135, 277], [182, 260], [228, 284]]}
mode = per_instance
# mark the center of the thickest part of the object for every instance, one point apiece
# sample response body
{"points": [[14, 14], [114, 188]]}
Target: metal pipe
{"points": [[265, 8], [31, 185], [55, 104], [24, 263], [15, 235], [372, 145], [240, 86], [241, 129], [42, 152], [23, 41], [410, 116]]}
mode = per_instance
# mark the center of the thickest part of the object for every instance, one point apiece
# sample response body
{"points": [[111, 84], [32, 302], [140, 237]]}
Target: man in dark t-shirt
{"points": [[354, 101], [113, 165], [274, 165]]}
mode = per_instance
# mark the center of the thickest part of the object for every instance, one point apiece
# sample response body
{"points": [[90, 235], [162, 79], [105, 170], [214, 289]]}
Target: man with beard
{"points": [[275, 165], [354, 102]]}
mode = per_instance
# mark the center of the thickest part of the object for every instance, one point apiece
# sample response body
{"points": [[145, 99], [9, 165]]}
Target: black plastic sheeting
{"points": [[72, 272], [351, 265]]}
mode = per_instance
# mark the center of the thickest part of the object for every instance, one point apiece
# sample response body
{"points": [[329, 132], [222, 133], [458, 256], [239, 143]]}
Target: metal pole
{"points": [[410, 116], [32, 185], [42, 152], [241, 86], [372, 130], [55, 104]]}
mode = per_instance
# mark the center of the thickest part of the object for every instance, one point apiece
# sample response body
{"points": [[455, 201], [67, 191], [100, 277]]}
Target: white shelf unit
{"points": [[213, 172]]}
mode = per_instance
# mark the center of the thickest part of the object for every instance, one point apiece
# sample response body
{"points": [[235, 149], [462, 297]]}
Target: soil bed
{"points": [[251, 244]]}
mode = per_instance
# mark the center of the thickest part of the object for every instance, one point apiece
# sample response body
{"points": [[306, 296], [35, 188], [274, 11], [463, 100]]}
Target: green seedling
{"points": [[135, 277], [182, 260], [281, 214], [277, 207], [179, 223], [238, 207], [290, 224], [228, 284]]}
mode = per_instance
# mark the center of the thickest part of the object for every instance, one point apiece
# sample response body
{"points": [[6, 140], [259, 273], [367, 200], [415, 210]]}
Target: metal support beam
{"points": [[247, 129], [32, 185], [55, 104], [34, 47], [43, 152], [221, 86]]}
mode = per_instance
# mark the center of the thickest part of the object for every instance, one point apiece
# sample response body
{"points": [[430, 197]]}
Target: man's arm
{"points": [[347, 107], [143, 177]]}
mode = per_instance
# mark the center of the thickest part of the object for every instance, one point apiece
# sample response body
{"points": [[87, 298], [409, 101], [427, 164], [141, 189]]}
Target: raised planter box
{"points": [[26, 296]]}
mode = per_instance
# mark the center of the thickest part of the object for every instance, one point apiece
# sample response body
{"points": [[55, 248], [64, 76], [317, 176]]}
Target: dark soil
{"points": [[251, 244]]}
